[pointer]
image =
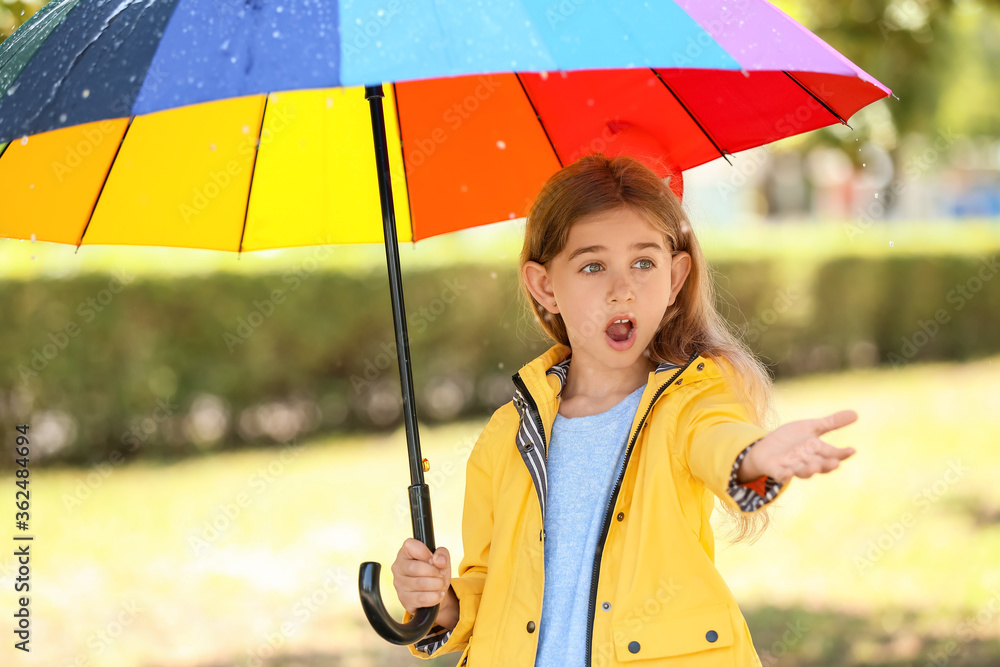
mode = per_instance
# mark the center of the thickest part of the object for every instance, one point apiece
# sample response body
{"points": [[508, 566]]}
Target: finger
{"points": [[416, 568], [417, 600], [442, 559], [829, 465], [416, 550], [421, 584], [834, 421], [808, 469], [429, 599], [839, 453]]}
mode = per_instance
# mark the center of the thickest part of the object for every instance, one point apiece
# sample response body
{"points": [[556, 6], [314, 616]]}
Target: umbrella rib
{"points": [[406, 178], [813, 95], [104, 182], [246, 210], [691, 115], [539, 119]]}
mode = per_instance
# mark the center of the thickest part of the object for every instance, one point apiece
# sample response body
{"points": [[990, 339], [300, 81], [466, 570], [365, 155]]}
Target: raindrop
{"points": [[890, 244], [544, 76], [493, 275], [33, 237], [276, 34], [24, 141], [501, 145], [31, 187], [246, 129], [863, 164], [329, 102], [465, 188], [225, 45], [86, 93], [511, 215], [876, 195], [32, 257], [279, 9], [233, 59], [211, 147], [62, 118], [590, 102]]}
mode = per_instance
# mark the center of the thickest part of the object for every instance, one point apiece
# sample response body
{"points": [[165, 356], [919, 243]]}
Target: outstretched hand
{"points": [[795, 449]]}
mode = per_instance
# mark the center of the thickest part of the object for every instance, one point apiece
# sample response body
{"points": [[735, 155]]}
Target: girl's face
{"points": [[615, 266]]}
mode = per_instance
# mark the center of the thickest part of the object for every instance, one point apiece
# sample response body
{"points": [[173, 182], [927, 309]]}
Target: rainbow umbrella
{"points": [[236, 126]]}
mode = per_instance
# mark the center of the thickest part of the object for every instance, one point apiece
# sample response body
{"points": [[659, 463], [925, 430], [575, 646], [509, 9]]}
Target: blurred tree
{"points": [[939, 57], [13, 14]]}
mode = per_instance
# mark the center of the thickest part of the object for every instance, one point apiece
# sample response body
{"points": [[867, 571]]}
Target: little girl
{"points": [[588, 496]]}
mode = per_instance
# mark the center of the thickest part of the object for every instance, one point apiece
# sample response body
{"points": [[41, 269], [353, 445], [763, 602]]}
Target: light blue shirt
{"points": [[584, 460]]}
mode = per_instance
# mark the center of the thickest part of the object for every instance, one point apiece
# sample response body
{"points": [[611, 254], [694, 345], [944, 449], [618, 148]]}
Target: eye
{"points": [[590, 265], [649, 262]]}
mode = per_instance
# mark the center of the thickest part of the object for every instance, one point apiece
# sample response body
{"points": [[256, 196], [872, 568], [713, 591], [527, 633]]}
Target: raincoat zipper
{"points": [[611, 504], [541, 428], [534, 409]]}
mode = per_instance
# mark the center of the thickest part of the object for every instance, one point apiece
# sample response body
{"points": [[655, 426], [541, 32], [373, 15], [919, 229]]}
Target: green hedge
{"points": [[105, 368]]}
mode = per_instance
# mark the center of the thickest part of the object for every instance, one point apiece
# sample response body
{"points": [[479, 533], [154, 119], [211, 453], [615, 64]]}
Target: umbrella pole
{"points": [[420, 499]]}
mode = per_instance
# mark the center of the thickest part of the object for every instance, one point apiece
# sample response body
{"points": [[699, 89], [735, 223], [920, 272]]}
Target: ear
{"points": [[536, 277], [680, 267]]}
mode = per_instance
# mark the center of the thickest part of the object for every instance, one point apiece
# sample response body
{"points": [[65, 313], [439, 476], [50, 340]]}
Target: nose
{"points": [[622, 287]]}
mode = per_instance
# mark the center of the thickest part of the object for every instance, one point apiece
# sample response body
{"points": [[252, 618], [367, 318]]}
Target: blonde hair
{"points": [[597, 184]]}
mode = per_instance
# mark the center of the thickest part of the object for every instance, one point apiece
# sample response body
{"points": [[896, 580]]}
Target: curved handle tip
{"points": [[384, 624]]}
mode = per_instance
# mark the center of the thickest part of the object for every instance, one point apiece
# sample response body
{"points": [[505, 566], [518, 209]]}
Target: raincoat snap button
{"points": [[621, 516], [701, 367], [633, 647], [679, 381], [531, 626], [528, 446], [605, 606], [711, 635]]}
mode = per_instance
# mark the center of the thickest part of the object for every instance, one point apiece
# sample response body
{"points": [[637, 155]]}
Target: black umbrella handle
{"points": [[368, 582], [420, 499]]}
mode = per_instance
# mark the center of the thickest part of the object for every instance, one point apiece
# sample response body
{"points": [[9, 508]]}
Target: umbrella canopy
{"points": [[205, 124], [214, 124]]}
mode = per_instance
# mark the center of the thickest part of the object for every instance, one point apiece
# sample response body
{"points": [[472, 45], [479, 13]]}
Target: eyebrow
{"points": [[599, 248]]}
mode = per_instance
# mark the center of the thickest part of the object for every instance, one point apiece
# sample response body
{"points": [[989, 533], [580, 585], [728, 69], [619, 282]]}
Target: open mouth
{"points": [[620, 329]]}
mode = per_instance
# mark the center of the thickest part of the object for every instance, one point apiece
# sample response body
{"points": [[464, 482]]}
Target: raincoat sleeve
{"points": [[477, 529], [715, 434]]}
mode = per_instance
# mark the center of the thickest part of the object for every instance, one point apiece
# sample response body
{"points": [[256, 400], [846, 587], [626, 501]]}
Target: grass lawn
{"points": [[252, 558]]}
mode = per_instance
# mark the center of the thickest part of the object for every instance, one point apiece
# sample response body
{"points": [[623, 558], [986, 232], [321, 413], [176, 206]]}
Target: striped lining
{"points": [[748, 499], [432, 642]]}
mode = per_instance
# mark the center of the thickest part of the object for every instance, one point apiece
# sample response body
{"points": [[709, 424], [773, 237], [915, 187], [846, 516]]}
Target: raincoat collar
{"points": [[538, 388], [545, 377]]}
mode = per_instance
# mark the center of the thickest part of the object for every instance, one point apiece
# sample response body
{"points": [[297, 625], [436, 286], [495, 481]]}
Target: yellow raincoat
{"points": [[657, 598]]}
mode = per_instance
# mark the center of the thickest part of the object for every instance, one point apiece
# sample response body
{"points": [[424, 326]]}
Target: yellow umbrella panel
{"points": [[247, 173]]}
